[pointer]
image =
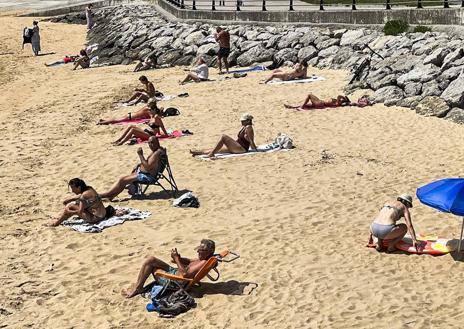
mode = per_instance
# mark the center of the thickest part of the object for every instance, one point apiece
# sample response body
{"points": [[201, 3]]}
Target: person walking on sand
{"points": [[223, 38], [384, 226], [35, 40], [186, 267], [89, 16]]}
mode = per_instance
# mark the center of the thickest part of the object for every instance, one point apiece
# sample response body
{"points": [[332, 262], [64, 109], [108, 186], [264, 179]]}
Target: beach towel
{"points": [[314, 78], [251, 69], [265, 148], [171, 134], [427, 244], [132, 121], [80, 225]]}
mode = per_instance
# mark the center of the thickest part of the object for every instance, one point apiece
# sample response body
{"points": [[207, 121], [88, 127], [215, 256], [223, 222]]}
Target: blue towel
{"points": [[251, 69]]}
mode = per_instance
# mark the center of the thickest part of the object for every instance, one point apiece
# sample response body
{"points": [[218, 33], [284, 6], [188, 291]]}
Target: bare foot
{"points": [[130, 292], [195, 153]]}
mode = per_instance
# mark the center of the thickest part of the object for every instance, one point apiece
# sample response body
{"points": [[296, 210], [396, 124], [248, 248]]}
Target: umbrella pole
{"points": [[460, 240]]}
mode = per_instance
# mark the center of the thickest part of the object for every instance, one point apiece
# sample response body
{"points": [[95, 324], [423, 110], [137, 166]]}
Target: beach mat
{"points": [[171, 134], [307, 80], [427, 244], [251, 69], [260, 150], [81, 226]]}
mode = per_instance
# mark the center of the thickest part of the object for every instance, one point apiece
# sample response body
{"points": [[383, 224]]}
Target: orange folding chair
{"points": [[211, 264]]}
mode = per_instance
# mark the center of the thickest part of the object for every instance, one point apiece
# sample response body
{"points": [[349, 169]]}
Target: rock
{"points": [[436, 57], [169, 57], [247, 45], [325, 62], [307, 53], [184, 61], [418, 74], [331, 51], [256, 54], [287, 54], [452, 73], [271, 43], [387, 80], [309, 38], [349, 38], [339, 33], [327, 43], [287, 40], [431, 88], [388, 93], [454, 94], [195, 38], [162, 42], [432, 106], [410, 102], [379, 42], [208, 49], [452, 57], [344, 58], [264, 36], [456, 115], [412, 89]]}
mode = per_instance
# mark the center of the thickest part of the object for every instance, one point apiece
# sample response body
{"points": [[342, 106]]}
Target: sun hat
{"points": [[406, 197], [246, 117]]}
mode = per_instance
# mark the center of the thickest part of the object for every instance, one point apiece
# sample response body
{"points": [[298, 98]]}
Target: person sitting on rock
{"points": [[143, 113], [226, 144], [155, 127], [83, 61], [145, 172], [313, 102], [300, 71], [148, 63], [142, 95], [186, 267], [197, 74]]}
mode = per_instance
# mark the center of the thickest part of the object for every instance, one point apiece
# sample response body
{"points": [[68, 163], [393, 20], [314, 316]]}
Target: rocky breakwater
{"points": [[422, 71]]}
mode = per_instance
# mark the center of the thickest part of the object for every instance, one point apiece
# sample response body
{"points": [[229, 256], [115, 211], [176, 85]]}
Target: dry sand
{"points": [[299, 222]]}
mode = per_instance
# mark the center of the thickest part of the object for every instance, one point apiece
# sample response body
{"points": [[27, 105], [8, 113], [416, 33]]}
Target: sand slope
{"points": [[299, 221]]}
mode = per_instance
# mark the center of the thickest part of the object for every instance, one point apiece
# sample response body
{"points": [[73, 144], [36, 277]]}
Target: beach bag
{"points": [[186, 200], [284, 141], [27, 35], [176, 303], [170, 112], [133, 188]]}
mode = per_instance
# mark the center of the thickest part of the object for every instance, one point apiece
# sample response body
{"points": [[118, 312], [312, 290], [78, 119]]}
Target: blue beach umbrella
{"points": [[446, 195]]}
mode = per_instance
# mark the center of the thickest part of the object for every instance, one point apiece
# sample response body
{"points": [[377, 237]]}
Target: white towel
{"points": [[80, 225], [314, 78], [165, 97], [265, 148]]}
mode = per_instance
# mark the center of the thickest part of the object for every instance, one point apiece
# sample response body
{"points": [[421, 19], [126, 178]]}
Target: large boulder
{"points": [[456, 115], [328, 52], [349, 38], [307, 53], [162, 42], [454, 94], [451, 58], [418, 74], [410, 102], [389, 93], [195, 38], [257, 54], [208, 49], [169, 57], [432, 106], [247, 45], [436, 57], [289, 40], [453, 72], [412, 89], [287, 54], [431, 88]]}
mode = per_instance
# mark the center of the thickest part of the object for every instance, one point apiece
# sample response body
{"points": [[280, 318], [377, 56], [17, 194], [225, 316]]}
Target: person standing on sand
{"points": [[384, 226], [89, 16], [35, 40], [223, 38]]}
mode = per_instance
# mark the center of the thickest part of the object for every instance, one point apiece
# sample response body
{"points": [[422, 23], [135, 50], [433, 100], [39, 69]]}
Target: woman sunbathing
{"points": [[148, 63], [245, 140], [143, 113], [300, 71], [313, 102], [86, 204], [83, 61], [155, 126]]}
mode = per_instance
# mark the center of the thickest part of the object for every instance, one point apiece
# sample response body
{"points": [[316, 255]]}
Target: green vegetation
{"points": [[422, 29], [395, 27]]}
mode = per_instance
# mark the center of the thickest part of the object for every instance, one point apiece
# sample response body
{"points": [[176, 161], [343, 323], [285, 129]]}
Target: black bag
{"points": [[27, 35], [176, 303], [170, 112]]}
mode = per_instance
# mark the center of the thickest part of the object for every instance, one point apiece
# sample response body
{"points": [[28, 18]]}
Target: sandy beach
{"points": [[299, 220]]}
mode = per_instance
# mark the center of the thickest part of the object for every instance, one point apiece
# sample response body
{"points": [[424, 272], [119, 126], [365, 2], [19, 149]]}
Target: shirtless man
{"points": [[145, 172], [187, 268], [223, 38], [142, 95], [385, 227], [300, 71]]}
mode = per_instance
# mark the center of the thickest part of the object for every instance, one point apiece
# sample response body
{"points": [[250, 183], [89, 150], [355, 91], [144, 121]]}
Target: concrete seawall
{"points": [[74, 8], [436, 16]]}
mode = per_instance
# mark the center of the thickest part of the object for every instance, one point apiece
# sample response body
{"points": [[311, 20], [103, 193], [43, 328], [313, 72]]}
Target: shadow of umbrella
{"points": [[446, 195]]}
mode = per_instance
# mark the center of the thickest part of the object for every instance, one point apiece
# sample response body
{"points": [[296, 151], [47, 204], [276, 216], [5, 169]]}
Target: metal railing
{"points": [[299, 5]]}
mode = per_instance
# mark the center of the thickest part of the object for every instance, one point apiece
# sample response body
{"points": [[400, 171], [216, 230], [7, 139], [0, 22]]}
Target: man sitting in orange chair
{"points": [[187, 268]]}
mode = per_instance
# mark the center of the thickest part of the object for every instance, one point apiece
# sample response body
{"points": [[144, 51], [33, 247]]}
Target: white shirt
{"points": [[202, 71]]}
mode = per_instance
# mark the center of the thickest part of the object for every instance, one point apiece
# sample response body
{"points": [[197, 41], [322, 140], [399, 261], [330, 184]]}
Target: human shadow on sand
{"points": [[231, 287], [158, 195]]}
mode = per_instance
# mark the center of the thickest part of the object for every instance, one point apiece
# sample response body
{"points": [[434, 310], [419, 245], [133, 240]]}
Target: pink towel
{"points": [[173, 134]]}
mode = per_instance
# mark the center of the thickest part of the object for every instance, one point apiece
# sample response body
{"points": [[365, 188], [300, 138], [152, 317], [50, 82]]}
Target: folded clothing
{"points": [[80, 225]]}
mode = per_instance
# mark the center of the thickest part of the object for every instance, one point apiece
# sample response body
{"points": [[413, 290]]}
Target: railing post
{"points": [[213, 5], [445, 4], [238, 5], [291, 5], [387, 5], [264, 5], [194, 5], [182, 5], [353, 5], [321, 4], [419, 4]]}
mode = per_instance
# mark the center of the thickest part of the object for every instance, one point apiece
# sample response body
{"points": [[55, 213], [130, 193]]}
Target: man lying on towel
{"points": [[300, 71], [145, 172], [313, 102], [188, 268]]}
